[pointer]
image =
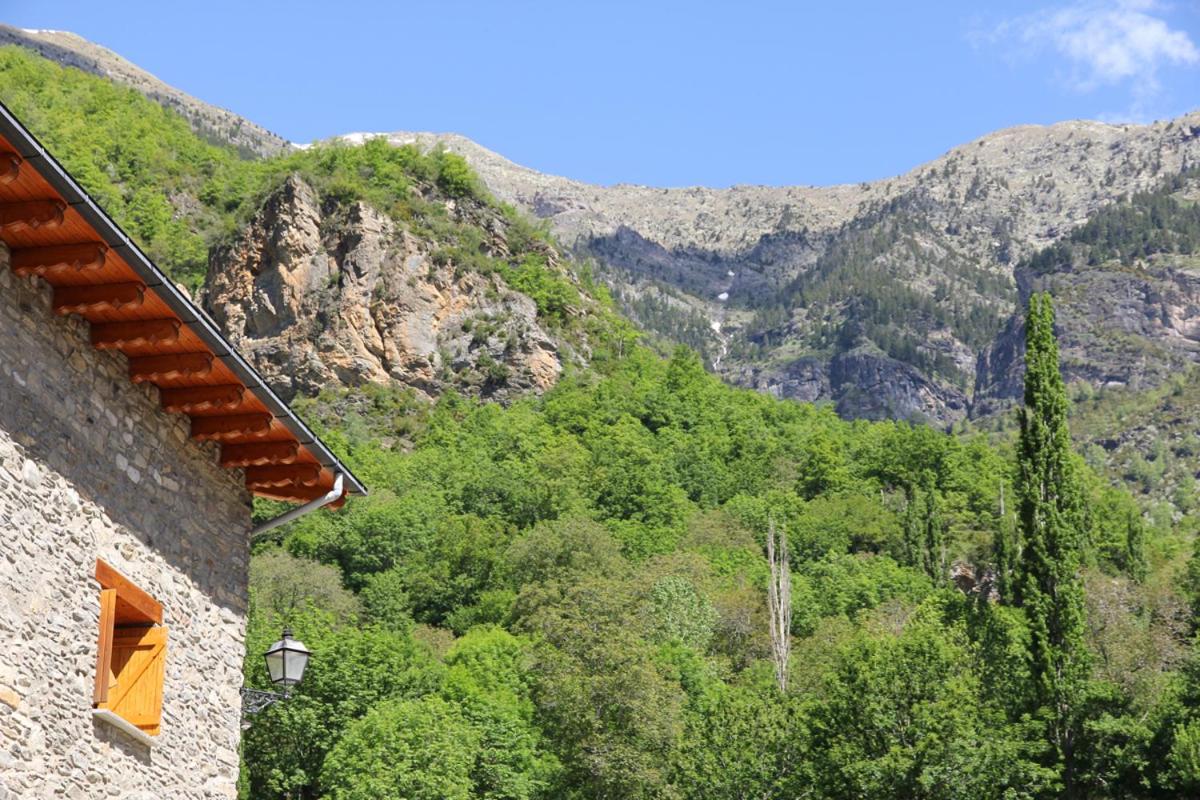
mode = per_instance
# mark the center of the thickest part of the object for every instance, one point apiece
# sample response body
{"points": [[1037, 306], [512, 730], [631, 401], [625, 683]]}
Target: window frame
{"points": [[131, 623]]}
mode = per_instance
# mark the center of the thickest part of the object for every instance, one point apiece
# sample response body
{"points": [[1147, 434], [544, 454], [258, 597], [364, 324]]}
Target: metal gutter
{"points": [[312, 505], [34, 154]]}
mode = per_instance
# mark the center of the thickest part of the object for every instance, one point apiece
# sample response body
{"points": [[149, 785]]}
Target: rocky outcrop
{"points": [[327, 295], [1117, 326], [868, 384]]}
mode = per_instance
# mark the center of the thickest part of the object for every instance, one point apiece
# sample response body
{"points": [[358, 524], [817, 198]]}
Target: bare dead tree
{"points": [[779, 602]]}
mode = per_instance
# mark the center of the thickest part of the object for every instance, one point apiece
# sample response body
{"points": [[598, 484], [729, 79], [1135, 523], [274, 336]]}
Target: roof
{"points": [[56, 231]]}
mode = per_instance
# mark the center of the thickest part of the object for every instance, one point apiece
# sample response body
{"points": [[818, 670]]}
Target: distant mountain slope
{"points": [[880, 296], [886, 298], [213, 123]]}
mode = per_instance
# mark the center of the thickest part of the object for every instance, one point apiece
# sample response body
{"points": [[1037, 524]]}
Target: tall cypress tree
{"points": [[1047, 585]]}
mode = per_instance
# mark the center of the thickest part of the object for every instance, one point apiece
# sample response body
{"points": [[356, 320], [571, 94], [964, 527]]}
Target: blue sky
{"points": [[664, 93]]}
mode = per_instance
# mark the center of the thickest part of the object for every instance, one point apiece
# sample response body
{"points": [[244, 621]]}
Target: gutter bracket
{"points": [[312, 505]]}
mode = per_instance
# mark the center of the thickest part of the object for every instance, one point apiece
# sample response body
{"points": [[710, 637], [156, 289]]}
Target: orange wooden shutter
{"points": [[108, 606], [136, 676]]}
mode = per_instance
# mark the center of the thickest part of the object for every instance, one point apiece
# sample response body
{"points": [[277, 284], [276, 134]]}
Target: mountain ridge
{"points": [[884, 298]]}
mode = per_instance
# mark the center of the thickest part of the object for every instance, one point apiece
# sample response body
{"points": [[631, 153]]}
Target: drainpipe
{"points": [[300, 511]]}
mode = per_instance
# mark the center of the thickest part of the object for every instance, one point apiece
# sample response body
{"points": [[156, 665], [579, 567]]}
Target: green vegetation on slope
{"points": [[178, 195], [1147, 224], [574, 586]]}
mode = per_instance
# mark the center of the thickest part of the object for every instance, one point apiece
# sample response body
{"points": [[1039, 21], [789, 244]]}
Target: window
{"points": [[131, 654]]}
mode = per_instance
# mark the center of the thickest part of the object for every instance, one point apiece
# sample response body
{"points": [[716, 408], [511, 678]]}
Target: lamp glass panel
{"points": [[275, 665], [294, 662]]}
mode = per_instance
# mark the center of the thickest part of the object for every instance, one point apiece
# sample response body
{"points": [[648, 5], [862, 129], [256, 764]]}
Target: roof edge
{"points": [[35, 154]]}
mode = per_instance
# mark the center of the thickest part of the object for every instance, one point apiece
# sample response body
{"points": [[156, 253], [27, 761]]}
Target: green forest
{"points": [[647, 584], [569, 597]]}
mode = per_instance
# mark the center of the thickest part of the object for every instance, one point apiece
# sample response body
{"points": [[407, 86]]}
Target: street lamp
{"points": [[286, 661]]}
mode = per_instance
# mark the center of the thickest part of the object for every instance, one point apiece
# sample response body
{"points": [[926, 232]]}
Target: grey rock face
{"points": [[867, 384], [327, 296], [1116, 326]]}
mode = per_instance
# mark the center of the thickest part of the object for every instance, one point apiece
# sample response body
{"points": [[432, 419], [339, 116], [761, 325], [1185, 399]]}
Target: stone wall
{"points": [[91, 467]]}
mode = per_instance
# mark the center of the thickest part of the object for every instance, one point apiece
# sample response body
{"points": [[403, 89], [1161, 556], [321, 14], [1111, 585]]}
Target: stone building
{"points": [[132, 437]]}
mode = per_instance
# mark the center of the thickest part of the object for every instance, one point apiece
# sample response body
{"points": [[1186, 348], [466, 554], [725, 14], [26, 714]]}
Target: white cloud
{"points": [[1105, 42]]}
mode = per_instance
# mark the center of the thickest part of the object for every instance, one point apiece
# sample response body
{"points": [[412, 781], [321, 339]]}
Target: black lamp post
{"points": [[286, 661]]}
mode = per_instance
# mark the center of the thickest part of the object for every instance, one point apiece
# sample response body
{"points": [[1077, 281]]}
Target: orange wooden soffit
{"points": [[98, 297], [173, 365], [10, 166], [43, 261], [282, 476], [191, 399], [115, 335], [259, 453], [32, 214], [300, 494], [234, 426]]}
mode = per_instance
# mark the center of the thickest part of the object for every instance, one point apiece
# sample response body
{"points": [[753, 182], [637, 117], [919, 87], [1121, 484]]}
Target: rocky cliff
{"points": [[323, 294], [1127, 298]]}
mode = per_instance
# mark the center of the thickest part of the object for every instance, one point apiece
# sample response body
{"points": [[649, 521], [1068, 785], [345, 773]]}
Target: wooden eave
{"points": [[58, 234]]}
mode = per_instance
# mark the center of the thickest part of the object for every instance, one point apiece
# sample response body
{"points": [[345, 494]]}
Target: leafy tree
{"points": [[282, 585], [906, 718], [1048, 587], [746, 741], [419, 749]]}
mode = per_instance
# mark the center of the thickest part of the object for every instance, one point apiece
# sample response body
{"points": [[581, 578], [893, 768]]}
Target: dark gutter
{"points": [[32, 151]]}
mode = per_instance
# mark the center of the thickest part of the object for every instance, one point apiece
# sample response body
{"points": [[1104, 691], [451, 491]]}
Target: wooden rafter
{"points": [[31, 214], [135, 333], [84, 257], [10, 166], [192, 399], [166, 367], [259, 454], [98, 297], [232, 426], [283, 476], [301, 494]]}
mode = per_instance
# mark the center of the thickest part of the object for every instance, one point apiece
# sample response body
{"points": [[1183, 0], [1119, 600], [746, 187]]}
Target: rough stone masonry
{"points": [[91, 467]]}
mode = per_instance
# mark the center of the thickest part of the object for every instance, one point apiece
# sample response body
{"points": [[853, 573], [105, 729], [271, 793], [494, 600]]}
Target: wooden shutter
{"points": [[108, 607], [135, 676]]}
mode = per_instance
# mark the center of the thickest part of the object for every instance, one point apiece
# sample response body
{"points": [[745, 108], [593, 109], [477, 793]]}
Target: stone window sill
{"points": [[128, 728]]}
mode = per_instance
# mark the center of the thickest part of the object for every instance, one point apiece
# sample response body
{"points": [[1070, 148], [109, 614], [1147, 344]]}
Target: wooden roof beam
{"points": [[257, 454], [152, 369], [299, 495], [10, 166], [283, 476], [232, 426], [135, 333], [83, 257], [31, 214], [98, 297], [192, 399]]}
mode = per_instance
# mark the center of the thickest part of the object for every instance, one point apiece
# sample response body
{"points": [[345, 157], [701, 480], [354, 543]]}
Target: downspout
{"points": [[312, 505]]}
